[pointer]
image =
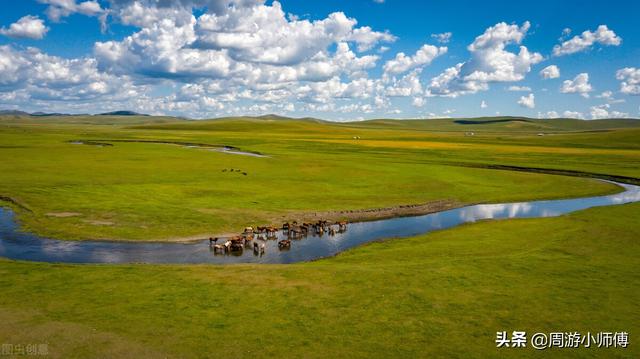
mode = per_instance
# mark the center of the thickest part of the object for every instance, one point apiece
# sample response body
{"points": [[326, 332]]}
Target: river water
{"points": [[15, 244]]}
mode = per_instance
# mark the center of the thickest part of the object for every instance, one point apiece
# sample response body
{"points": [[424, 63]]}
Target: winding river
{"points": [[15, 244]]}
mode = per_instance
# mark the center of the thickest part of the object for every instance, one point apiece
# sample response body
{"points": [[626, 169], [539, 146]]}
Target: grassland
{"points": [[442, 295], [148, 191]]}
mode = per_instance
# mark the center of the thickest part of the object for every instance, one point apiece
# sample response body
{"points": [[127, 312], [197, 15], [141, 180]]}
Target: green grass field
{"points": [[444, 294], [440, 295], [149, 191]]}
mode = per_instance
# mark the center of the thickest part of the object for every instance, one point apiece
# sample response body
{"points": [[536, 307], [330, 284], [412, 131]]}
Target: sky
{"points": [[335, 60]]}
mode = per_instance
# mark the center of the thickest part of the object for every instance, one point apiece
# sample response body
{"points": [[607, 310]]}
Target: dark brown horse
{"points": [[284, 244]]}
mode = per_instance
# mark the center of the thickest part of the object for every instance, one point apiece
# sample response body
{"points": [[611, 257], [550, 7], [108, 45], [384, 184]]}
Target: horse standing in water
{"points": [[258, 248]]}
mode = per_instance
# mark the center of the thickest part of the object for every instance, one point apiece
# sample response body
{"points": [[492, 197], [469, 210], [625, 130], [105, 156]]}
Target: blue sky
{"points": [[338, 60]]}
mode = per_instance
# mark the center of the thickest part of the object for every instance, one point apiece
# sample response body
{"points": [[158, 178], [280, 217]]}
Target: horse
{"points": [[261, 229], [285, 243], [296, 232], [218, 248], [258, 248]]}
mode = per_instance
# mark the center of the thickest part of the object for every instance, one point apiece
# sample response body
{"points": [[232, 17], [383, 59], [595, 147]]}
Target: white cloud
{"points": [[233, 57], [603, 36], [366, 38], [62, 8], [519, 88], [527, 101], [580, 85], [550, 72], [490, 62], [31, 74], [602, 111], [28, 27], [608, 96], [630, 80], [263, 34], [442, 38], [418, 101], [573, 114], [252, 45], [408, 85], [402, 63]]}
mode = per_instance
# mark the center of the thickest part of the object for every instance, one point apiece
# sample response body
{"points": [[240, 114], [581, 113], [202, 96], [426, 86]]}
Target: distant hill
{"points": [[51, 114], [40, 114], [47, 114], [14, 113], [500, 124], [273, 122], [122, 113]]}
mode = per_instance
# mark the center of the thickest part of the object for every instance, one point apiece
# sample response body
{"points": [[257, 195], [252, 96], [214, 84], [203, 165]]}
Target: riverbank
{"points": [[313, 246]]}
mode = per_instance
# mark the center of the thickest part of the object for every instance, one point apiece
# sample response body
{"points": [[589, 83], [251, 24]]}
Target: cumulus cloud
{"points": [[408, 85], [629, 80], [580, 85], [550, 72], [366, 38], [32, 75], [229, 57], [28, 27], [256, 45], [204, 58], [442, 38], [573, 114], [583, 42], [402, 63], [490, 62], [59, 9], [264, 34], [603, 111], [527, 101]]}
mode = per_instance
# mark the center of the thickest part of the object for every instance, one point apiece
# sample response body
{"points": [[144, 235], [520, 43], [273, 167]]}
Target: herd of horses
{"points": [[292, 230]]}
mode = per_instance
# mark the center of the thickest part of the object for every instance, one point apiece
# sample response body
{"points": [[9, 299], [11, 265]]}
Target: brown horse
{"points": [[285, 243], [296, 232]]}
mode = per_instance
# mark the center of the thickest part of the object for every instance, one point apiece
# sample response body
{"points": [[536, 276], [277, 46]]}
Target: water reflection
{"points": [[18, 245]]}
